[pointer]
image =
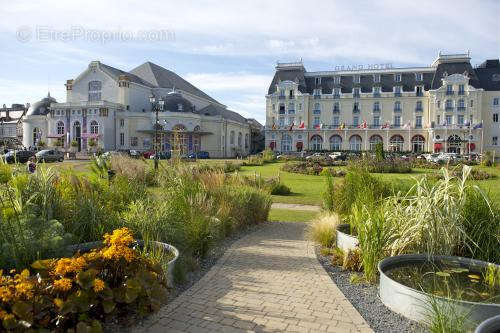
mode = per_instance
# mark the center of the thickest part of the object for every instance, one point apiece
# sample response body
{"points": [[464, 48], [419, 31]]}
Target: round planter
{"points": [[491, 325], [412, 303], [169, 274], [345, 241]]}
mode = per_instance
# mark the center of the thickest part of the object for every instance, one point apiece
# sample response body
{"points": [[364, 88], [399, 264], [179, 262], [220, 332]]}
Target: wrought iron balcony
{"points": [[460, 108], [448, 108]]}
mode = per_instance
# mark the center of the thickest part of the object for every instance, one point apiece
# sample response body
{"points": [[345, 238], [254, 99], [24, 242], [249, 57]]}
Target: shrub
{"points": [[135, 170], [76, 293], [268, 156], [488, 159], [254, 160], [322, 229], [374, 165], [280, 189], [379, 151], [5, 172], [352, 260], [337, 257]]}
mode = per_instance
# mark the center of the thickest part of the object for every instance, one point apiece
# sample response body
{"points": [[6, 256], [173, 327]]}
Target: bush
{"points": [[5, 172], [78, 292], [268, 156], [322, 229], [379, 151], [488, 159], [382, 166], [280, 189]]}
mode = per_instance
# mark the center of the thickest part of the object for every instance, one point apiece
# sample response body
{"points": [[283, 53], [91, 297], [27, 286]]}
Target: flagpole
{"points": [[482, 140]]}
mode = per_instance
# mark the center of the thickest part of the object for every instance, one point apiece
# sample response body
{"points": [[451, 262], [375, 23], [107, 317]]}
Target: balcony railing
{"points": [[396, 125], [448, 108], [450, 92], [316, 111], [419, 94], [281, 112], [291, 111], [397, 94], [336, 110], [376, 94], [317, 96], [336, 96], [281, 97], [418, 126], [376, 110], [461, 92], [291, 97], [460, 108], [398, 110], [419, 109], [356, 110]]}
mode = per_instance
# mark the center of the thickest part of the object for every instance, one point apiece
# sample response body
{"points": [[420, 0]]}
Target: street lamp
{"points": [[156, 108]]}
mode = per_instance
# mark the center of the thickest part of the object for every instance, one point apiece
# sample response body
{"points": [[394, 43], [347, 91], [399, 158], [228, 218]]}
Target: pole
{"points": [[482, 140], [446, 137], [156, 141]]}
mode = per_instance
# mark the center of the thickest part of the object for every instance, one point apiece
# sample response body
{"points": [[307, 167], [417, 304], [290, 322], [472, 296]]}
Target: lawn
{"points": [[288, 215]]}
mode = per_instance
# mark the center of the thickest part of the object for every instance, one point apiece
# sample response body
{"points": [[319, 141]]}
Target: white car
{"points": [[315, 155]]}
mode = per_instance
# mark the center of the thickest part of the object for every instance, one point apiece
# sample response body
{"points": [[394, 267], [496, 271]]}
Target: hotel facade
{"points": [[115, 109], [449, 106]]}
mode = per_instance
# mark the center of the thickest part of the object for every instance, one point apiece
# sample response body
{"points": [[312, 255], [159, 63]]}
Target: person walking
{"points": [[31, 164]]}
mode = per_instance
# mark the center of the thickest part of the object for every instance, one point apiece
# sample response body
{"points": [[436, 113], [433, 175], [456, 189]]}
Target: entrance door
{"points": [[78, 135]]}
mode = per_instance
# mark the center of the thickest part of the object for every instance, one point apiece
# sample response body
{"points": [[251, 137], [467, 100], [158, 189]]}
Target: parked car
{"points": [[50, 155], [20, 156], [338, 156], [162, 155], [315, 155], [147, 154], [200, 155]]}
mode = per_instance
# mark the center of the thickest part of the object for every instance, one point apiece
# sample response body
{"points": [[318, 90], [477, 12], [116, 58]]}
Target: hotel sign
{"points": [[363, 67]]}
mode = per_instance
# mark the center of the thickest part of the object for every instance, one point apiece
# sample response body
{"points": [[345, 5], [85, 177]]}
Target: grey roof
{"points": [[41, 108], [174, 99], [115, 73], [216, 110], [158, 76], [486, 76]]}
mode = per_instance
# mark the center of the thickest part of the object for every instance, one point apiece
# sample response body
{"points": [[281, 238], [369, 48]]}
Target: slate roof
{"points": [[216, 110], [486, 76], [115, 73], [160, 77]]}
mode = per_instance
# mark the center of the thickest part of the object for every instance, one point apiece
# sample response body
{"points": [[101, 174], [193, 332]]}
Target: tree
{"points": [[379, 151]]}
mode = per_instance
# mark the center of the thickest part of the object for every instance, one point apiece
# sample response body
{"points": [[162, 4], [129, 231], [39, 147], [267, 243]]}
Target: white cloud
{"points": [[28, 92]]}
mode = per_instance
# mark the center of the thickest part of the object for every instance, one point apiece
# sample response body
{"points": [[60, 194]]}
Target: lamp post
{"points": [[152, 100]]}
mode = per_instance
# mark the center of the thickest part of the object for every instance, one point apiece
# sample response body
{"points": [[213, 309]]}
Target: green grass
{"points": [[288, 215]]}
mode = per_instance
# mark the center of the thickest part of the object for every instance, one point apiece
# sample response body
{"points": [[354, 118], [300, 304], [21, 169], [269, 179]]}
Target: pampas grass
{"points": [[322, 230]]}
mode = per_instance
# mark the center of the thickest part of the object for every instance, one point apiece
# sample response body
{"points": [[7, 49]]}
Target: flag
{"points": [[480, 125], [302, 125], [319, 126], [386, 126], [407, 125], [363, 124], [291, 127], [342, 126], [274, 126]]}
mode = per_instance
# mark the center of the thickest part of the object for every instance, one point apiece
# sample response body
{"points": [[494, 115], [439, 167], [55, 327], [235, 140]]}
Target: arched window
{"points": [[317, 142], [246, 141], [36, 135], [461, 103], [335, 142], [355, 142], [231, 137], [286, 142], [417, 143], [60, 127], [94, 127], [240, 139], [396, 143], [374, 140], [397, 106]]}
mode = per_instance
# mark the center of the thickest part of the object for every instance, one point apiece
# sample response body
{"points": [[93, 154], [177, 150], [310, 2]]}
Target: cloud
{"points": [[28, 92]]}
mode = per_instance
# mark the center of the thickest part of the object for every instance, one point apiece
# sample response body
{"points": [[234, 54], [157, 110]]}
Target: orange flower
{"points": [[99, 285], [70, 265], [63, 284]]}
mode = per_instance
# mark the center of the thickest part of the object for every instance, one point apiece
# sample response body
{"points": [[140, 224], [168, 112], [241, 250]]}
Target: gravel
{"points": [[364, 297]]}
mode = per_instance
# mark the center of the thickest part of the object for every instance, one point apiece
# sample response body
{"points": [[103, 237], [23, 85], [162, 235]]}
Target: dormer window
{"points": [[357, 79], [376, 78], [179, 107], [318, 81], [317, 93], [290, 93], [397, 77], [418, 76], [397, 91], [336, 79]]}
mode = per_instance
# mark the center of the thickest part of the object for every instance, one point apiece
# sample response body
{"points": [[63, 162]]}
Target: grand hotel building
{"points": [[449, 106]]}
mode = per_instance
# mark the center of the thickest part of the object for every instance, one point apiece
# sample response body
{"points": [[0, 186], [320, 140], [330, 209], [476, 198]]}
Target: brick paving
{"points": [[268, 281]]}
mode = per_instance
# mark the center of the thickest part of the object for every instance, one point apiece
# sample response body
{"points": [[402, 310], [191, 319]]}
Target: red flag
{"points": [[302, 125]]}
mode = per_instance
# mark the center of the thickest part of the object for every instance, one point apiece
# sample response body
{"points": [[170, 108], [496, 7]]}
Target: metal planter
{"points": [[345, 241]]}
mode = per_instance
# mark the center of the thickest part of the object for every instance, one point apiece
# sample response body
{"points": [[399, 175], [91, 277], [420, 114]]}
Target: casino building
{"points": [[115, 109], [448, 106]]}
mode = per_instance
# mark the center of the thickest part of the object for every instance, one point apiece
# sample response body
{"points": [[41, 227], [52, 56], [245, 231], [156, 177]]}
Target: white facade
{"points": [[112, 108]]}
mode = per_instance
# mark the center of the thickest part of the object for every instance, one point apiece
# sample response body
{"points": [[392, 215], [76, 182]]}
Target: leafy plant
{"points": [[280, 189], [322, 229]]}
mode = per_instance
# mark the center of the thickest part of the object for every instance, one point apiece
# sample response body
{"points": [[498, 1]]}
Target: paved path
{"points": [[280, 205], [268, 281]]}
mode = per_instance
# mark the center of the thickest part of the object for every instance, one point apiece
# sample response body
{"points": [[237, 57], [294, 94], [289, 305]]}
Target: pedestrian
{"points": [[31, 165]]}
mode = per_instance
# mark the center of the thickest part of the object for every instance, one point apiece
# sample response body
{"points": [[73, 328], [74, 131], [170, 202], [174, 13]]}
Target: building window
{"points": [[336, 107], [418, 143], [449, 89], [374, 140], [496, 101], [376, 107], [134, 141], [94, 127], [300, 106], [246, 141], [122, 139], [376, 91], [179, 107], [449, 105], [376, 78], [396, 143], [231, 138], [355, 121], [397, 106], [357, 79], [274, 107], [95, 88], [281, 122], [461, 89], [355, 107], [397, 77], [461, 105], [335, 142], [60, 127], [103, 112], [355, 143], [355, 92], [317, 142], [449, 120], [286, 142], [495, 117], [418, 107], [397, 121], [418, 76], [316, 121], [418, 122], [318, 81], [122, 122], [240, 139], [376, 120], [291, 108], [460, 119], [397, 91], [317, 93], [494, 141], [317, 108], [336, 79], [336, 92], [291, 120], [438, 119], [438, 104], [336, 121]]}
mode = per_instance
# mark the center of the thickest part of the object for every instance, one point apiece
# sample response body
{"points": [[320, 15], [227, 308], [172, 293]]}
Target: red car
{"points": [[148, 154]]}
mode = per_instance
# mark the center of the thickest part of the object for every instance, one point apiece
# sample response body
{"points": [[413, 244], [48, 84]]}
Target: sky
{"points": [[229, 49]]}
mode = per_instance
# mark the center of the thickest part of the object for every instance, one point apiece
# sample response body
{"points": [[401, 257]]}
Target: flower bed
{"points": [[82, 291]]}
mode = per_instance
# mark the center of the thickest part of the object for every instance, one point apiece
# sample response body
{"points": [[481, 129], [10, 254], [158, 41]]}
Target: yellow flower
{"points": [[3, 314], [117, 252], [99, 285], [70, 265], [58, 302], [6, 294], [24, 289], [119, 237], [63, 284]]}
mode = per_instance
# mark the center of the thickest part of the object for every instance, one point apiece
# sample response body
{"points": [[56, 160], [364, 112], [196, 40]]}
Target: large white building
{"points": [[112, 107], [448, 106], [11, 124]]}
